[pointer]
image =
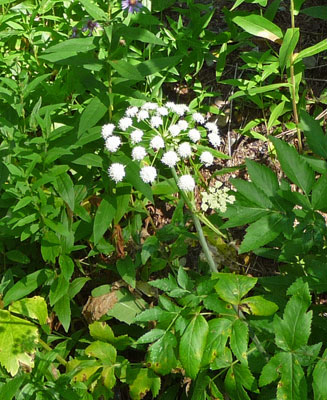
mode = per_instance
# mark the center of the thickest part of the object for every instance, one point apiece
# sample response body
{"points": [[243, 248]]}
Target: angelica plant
{"points": [[161, 136]]}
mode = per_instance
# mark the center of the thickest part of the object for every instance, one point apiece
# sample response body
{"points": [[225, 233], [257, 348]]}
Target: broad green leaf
{"points": [[239, 215], [149, 248], [232, 288], [192, 345], [262, 232], [259, 26], [252, 193], [155, 65], [151, 336], [94, 10], [18, 338], [63, 311], [34, 307], [316, 164], [183, 279], [76, 286], [239, 377], [290, 40], [268, 88], [275, 114], [221, 62], [214, 303], [101, 331], [316, 12], [92, 113], [161, 354], [127, 306], [122, 196], [314, 134], [155, 314], [219, 331], [239, 340], [293, 330], [57, 227], [297, 6], [143, 35], [320, 378], [58, 289], [17, 256], [126, 269], [141, 381], [319, 194], [65, 189], [126, 70], [66, 265], [200, 388], [263, 177], [9, 389], [103, 217], [312, 50], [104, 351], [108, 377], [292, 383], [23, 203], [257, 305], [71, 46], [26, 285], [89, 159]]}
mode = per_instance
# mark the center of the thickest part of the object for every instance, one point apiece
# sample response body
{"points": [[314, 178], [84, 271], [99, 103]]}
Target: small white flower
{"points": [[131, 111], [125, 123], [194, 135], [214, 139], [206, 158], [170, 158], [116, 172], [136, 136], [182, 124], [180, 109], [148, 174], [186, 182], [184, 150], [142, 115], [113, 143], [199, 118], [138, 153], [107, 130], [170, 105], [174, 130], [156, 121], [157, 143], [162, 111], [212, 127], [149, 106]]}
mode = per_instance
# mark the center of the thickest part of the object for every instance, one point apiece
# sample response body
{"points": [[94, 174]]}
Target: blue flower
{"points": [[131, 5]]}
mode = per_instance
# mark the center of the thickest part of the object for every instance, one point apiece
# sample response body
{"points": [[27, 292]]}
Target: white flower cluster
{"points": [[170, 133], [217, 198]]}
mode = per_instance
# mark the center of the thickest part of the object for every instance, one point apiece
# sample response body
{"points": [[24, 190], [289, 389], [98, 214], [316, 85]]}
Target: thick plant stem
{"points": [[198, 227]]}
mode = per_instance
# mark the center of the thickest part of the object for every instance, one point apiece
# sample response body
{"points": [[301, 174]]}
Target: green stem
{"points": [[61, 360], [198, 227]]}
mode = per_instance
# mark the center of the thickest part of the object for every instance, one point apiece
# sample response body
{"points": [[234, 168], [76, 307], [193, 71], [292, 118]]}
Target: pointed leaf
{"points": [[314, 134], [219, 331], [126, 269], [263, 177], [103, 217], [104, 351], [290, 40], [161, 354], [239, 340], [192, 345], [320, 378], [259, 26], [34, 307], [252, 193], [259, 306], [65, 188], [141, 381], [232, 288], [297, 171], [319, 194]]}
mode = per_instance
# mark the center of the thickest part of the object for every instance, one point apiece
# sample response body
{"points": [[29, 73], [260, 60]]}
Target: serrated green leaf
{"points": [[103, 217], [319, 378], [154, 314], [104, 351], [18, 338], [58, 289], [183, 279], [293, 330], [239, 215], [297, 171], [66, 265], [314, 134], [149, 248], [214, 303], [257, 305], [161, 354], [127, 306], [263, 177], [319, 194], [239, 377], [101, 331], [165, 284], [292, 384], [239, 340], [34, 307], [151, 336], [219, 331], [65, 189], [252, 193], [262, 232], [92, 113], [63, 311], [126, 269], [192, 345], [9, 389], [232, 288], [141, 381]]}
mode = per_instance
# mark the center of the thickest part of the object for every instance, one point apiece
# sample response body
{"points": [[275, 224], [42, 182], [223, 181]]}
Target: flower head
{"points": [[138, 153], [162, 111], [199, 118], [157, 143], [107, 130], [170, 158], [136, 136], [125, 123], [113, 143], [148, 174], [212, 127], [174, 130], [187, 183], [194, 135], [142, 115], [116, 172], [131, 111], [214, 139], [131, 5], [179, 109], [206, 158], [149, 106], [183, 124], [184, 150], [156, 121]]}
